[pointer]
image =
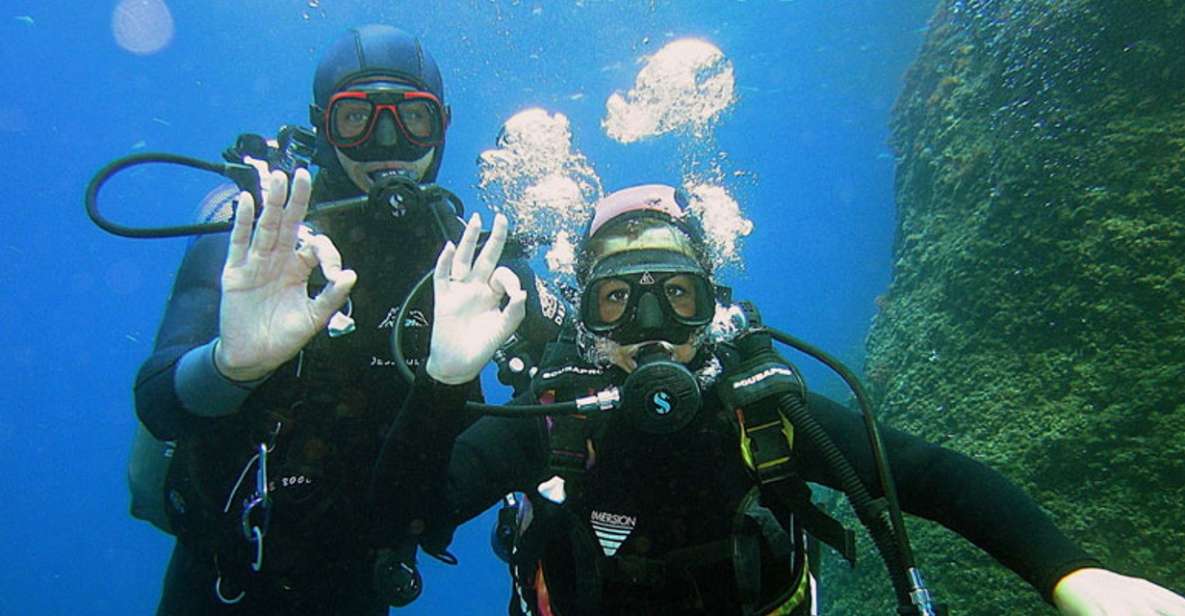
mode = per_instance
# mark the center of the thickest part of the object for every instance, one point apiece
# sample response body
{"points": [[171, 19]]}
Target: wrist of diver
{"points": [[237, 375], [203, 389], [434, 371]]}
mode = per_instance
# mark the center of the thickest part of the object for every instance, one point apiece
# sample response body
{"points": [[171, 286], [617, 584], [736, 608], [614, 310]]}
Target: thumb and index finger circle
{"points": [[505, 281]]}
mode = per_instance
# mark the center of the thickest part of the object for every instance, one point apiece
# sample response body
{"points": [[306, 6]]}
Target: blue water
{"points": [[817, 80]]}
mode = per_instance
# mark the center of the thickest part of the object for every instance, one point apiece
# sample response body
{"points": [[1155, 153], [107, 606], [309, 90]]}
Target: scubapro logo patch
{"points": [[661, 402], [551, 374], [761, 376]]}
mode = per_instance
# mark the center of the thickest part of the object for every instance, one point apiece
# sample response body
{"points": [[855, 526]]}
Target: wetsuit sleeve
{"points": [[964, 495], [190, 321], [495, 456], [203, 389], [438, 468]]}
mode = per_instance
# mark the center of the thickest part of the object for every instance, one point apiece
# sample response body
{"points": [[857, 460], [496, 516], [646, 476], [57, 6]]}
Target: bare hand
{"points": [[266, 315], [1099, 592], [468, 325]]}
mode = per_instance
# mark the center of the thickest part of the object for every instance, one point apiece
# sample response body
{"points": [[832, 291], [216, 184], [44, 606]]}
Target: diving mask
{"points": [[384, 121], [654, 303]]}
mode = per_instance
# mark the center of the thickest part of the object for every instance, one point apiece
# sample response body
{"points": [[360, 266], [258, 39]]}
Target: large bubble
{"points": [[142, 27], [685, 86], [540, 183], [723, 223]]}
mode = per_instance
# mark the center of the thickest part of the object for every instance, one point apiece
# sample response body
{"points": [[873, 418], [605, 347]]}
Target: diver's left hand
{"points": [[468, 324], [1099, 592]]}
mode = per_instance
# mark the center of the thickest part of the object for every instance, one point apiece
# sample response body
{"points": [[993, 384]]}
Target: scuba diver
{"points": [[683, 490], [278, 402]]}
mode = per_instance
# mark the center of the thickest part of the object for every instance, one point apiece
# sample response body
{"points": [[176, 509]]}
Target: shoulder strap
{"points": [[750, 389], [565, 376]]}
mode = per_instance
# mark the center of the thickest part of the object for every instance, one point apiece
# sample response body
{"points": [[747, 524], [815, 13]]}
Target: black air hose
{"points": [[873, 518]]}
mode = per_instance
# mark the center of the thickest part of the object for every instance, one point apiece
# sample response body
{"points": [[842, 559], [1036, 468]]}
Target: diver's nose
{"points": [[649, 315], [386, 133]]}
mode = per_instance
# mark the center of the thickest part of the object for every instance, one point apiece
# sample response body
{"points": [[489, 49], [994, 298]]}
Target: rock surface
{"points": [[1036, 316]]}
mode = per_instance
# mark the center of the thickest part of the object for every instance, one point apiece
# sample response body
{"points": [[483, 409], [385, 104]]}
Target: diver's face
{"points": [[364, 174], [630, 311]]}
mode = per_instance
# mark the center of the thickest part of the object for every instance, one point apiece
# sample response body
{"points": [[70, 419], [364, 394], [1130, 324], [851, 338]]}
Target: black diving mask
{"points": [[651, 304]]}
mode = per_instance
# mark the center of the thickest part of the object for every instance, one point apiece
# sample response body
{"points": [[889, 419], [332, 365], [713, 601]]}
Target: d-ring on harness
{"points": [[260, 503], [256, 516]]}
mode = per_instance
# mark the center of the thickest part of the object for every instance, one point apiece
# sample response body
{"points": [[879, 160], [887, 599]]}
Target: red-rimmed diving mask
{"points": [[384, 121]]}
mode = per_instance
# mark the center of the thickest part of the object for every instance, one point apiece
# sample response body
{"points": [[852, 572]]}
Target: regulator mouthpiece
{"points": [[396, 191], [660, 396]]}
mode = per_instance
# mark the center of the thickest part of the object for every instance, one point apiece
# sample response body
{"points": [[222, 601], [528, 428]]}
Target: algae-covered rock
{"points": [[1036, 317]]}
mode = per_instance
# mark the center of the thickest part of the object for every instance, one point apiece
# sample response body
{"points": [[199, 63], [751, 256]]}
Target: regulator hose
{"points": [[243, 175], [246, 177], [870, 515], [912, 596]]}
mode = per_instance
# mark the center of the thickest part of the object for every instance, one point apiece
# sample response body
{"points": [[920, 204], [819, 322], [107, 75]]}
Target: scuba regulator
{"points": [[293, 150], [661, 395]]}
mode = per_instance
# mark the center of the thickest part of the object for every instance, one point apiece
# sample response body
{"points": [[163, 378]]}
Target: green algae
{"points": [[1036, 317]]}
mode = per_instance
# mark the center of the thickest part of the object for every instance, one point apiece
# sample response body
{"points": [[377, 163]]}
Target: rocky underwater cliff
{"points": [[1036, 315]]}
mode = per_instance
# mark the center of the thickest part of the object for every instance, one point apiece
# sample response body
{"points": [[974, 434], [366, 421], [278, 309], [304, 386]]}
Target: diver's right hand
{"points": [[266, 315], [469, 323]]}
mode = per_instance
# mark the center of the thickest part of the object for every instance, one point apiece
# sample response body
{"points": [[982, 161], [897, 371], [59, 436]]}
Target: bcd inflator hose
{"points": [[871, 514]]}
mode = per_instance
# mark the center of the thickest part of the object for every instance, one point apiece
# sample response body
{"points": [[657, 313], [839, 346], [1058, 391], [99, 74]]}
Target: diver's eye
{"points": [[417, 118], [612, 297], [350, 118], [681, 295], [618, 296]]}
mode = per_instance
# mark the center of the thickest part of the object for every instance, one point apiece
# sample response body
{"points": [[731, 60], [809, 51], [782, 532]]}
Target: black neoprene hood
{"points": [[374, 51]]}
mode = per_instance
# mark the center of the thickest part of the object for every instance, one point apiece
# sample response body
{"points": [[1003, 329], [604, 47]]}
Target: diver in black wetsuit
{"points": [[278, 419], [663, 506]]}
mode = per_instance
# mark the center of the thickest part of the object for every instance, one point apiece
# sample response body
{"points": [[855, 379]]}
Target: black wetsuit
{"points": [[674, 491], [325, 412]]}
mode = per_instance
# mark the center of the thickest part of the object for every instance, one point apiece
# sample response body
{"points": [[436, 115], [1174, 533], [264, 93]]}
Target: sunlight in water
{"points": [[142, 27]]}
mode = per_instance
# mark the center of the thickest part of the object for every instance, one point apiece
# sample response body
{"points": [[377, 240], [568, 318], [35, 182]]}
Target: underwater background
{"points": [[874, 190]]}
